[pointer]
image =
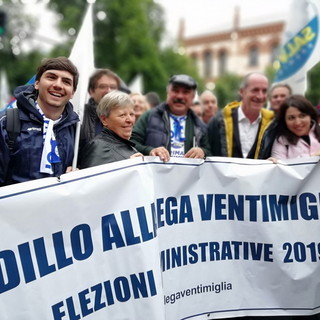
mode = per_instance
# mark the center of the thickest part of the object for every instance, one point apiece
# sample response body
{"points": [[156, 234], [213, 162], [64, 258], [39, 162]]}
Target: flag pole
{"points": [[76, 146], [84, 61]]}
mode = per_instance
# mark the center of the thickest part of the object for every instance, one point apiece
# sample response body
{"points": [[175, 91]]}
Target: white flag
{"points": [[136, 86], [301, 45], [83, 57]]}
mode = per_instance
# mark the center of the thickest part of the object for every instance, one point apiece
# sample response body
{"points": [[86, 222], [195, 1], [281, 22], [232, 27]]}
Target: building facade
{"points": [[239, 50]]}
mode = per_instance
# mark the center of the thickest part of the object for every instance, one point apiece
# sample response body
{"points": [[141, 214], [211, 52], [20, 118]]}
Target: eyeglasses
{"points": [[106, 86]]}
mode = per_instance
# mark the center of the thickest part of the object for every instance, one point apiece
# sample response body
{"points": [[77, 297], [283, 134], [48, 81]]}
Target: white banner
{"points": [[145, 239]]}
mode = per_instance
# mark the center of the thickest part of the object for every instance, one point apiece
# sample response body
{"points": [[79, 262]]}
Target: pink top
{"points": [[282, 149]]}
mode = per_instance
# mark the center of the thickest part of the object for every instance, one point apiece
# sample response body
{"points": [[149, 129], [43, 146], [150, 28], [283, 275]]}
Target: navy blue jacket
{"points": [[24, 162], [152, 130]]}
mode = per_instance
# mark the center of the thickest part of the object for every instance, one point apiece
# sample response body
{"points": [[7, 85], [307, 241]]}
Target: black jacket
{"points": [[106, 147], [91, 124], [268, 139]]}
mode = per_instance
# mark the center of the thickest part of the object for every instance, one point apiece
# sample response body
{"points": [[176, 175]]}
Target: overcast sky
{"points": [[201, 16]]}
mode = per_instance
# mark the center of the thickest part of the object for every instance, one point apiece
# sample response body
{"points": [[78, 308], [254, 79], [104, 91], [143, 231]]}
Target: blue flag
{"points": [[301, 46]]}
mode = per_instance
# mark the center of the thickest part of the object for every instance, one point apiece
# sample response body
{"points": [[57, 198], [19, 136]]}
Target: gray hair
{"points": [[113, 100], [245, 81], [280, 85]]}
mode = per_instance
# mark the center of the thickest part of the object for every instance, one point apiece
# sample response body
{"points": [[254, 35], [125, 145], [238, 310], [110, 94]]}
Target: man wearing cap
{"points": [[172, 129]]}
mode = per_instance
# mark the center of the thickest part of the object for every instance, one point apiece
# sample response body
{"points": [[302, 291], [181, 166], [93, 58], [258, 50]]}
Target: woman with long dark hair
{"points": [[297, 132]]}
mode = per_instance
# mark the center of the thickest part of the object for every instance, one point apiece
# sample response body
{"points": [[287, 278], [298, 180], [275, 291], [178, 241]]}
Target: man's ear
{"points": [[241, 92], [36, 84], [91, 91]]}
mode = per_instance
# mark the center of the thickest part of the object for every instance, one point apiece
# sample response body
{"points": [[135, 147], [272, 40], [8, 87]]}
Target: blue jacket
{"points": [[24, 162]]}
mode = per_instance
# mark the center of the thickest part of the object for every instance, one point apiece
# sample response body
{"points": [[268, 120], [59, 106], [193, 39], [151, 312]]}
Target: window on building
{"points": [[253, 56], [207, 64], [222, 62]]}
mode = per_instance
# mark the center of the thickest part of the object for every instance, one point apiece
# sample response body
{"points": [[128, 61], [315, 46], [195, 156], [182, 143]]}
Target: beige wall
{"points": [[264, 37]]}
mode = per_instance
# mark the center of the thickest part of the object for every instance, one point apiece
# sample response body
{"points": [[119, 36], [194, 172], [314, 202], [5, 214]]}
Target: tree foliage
{"points": [[227, 88], [313, 92], [129, 40], [13, 59], [127, 44]]}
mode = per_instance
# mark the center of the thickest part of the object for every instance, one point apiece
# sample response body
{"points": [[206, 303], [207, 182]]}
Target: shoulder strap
{"points": [[13, 126]]}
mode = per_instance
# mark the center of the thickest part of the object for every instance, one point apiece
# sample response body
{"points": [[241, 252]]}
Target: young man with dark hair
{"points": [[44, 146]]}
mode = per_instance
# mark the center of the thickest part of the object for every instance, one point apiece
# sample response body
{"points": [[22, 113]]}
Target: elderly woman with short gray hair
{"points": [[116, 112]]}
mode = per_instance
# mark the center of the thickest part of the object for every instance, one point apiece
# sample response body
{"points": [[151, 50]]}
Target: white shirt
{"points": [[247, 131]]}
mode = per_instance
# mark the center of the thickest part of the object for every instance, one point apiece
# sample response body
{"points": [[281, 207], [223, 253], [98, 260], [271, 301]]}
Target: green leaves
{"points": [[128, 40]]}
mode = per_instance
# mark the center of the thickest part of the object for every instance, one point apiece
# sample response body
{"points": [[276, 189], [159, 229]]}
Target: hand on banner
{"points": [[196, 153], [161, 152], [136, 155], [70, 169], [274, 160]]}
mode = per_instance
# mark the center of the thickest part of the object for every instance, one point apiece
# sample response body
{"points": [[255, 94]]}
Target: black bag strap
{"points": [[13, 126]]}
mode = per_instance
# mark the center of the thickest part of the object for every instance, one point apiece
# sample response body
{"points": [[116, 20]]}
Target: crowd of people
{"points": [[118, 125]]}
